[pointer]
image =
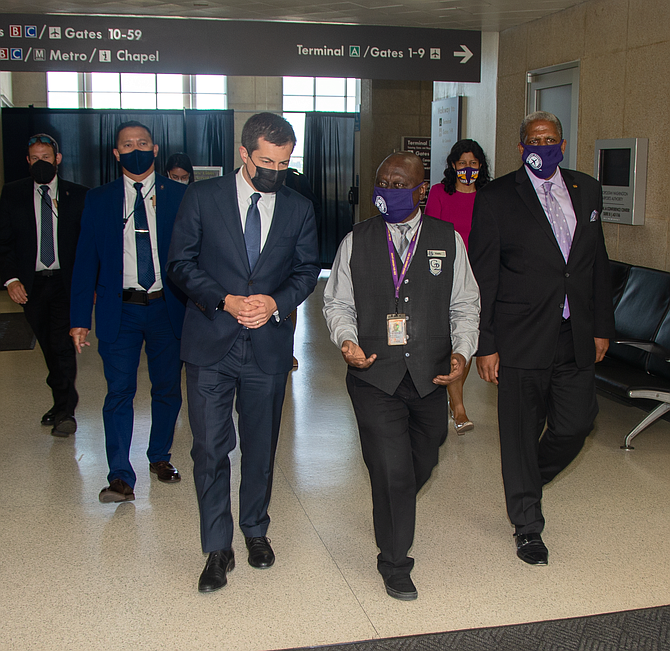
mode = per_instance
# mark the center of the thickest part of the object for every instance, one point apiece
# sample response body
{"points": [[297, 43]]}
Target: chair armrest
{"points": [[647, 346]]}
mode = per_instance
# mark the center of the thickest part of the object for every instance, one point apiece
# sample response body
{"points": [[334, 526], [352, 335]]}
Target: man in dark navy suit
{"points": [[39, 228], [244, 250], [539, 256], [121, 258]]}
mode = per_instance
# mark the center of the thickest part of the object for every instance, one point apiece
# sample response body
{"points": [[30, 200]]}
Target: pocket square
{"points": [[594, 216]]}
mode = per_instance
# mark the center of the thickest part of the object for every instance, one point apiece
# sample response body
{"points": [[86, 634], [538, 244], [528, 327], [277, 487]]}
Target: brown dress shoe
{"points": [[117, 491], [165, 472]]}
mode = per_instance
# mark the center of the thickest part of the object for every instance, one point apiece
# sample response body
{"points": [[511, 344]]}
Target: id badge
{"points": [[396, 329]]}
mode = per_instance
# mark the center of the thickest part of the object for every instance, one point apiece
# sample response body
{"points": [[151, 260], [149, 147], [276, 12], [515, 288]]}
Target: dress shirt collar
{"points": [[53, 187], [413, 224], [147, 184], [537, 182]]}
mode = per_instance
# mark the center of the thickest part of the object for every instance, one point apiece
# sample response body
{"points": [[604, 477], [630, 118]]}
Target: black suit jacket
{"points": [[523, 277], [18, 230]]}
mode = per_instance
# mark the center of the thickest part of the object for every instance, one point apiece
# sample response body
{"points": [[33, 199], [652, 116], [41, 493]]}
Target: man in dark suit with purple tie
{"points": [[539, 257], [244, 251]]}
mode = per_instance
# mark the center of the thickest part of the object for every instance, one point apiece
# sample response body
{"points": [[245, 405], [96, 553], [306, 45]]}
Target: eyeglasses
{"points": [[44, 139]]}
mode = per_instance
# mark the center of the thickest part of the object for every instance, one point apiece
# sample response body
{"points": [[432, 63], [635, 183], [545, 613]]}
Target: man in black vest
{"points": [[403, 306]]}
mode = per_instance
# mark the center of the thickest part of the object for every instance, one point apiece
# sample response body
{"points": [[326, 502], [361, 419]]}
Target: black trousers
{"points": [[562, 397], [400, 439], [48, 313]]}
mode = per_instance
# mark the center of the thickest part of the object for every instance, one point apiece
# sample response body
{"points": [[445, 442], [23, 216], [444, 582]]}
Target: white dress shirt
{"points": [[339, 307], [266, 205], [130, 280]]}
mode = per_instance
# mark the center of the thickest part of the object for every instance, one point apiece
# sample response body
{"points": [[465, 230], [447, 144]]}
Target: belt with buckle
{"points": [[47, 273], [140, 298]]}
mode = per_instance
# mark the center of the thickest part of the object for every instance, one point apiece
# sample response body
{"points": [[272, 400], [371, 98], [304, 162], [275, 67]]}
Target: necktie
{"points": [[559, 224], [47, 255], [403, 244], [145, 262], [252, 231]]}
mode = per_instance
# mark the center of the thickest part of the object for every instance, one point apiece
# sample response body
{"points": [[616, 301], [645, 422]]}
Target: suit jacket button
{"points": [[251, 282], [561, 306], [567, 275]]}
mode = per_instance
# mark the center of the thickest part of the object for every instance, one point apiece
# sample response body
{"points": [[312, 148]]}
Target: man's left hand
{"points": [[601, 348], [257, 311], [457, 368]]}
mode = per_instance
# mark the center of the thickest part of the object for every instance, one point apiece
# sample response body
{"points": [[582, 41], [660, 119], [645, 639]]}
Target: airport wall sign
{"points": [[46, 42]]}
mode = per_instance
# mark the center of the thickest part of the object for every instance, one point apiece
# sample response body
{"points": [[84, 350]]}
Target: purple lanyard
{"points": [[397, 281]]}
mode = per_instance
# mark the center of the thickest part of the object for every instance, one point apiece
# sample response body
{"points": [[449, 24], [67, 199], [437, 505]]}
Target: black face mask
{"points": [[43, 171], [266, 180]]}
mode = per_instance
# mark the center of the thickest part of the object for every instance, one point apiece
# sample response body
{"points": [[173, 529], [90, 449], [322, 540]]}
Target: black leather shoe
{"points": [[260, 552], [530, 548], [400, 586], [117, 491], [165, 472], [65, 425], [218, 564], [49, 418]]}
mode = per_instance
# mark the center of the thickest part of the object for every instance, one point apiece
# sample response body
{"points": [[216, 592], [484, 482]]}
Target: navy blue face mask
{"points": [[542, 160], [137, 161]]}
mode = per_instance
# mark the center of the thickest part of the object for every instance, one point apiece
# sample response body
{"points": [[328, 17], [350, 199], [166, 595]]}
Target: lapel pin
{"points": [[573, 185]]}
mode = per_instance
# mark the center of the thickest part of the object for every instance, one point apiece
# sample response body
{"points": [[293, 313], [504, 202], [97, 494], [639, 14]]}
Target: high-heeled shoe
{"points": [[461, 428]]}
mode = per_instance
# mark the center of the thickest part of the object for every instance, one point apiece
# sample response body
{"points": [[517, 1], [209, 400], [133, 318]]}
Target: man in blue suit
{"points": [[244, 250], [121, 256]]}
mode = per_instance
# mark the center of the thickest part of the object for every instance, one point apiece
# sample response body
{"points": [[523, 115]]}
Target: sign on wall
{"points": [[37, 43], [419, 145], [445, 132]]}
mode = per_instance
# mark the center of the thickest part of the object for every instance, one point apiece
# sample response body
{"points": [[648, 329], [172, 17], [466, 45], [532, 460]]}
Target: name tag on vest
{"points": [[436, 254]]}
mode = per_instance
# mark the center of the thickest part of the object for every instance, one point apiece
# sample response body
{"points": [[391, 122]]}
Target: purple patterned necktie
{"points": [[559, 224]]}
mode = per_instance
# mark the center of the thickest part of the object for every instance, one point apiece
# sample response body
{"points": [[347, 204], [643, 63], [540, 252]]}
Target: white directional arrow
{"points": [[466, 54]]}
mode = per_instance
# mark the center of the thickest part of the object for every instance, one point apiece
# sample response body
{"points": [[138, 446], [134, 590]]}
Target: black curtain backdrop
{"points": [[86, 139], [329, 166]]}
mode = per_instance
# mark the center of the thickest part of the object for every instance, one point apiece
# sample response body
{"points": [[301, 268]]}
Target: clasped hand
{"points": [[251, 311]]}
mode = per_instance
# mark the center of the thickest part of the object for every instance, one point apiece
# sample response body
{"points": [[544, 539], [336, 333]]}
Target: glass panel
{"points": [[210, 84], [330, 103], [170, 83], [332, 86], [296, 162], [298, 103], [170, 101], [104, 82], [105, 100], [297, 121], [210, 102], [63, 81], [138, 100], [298, 85], [351, 105], [351, 87], [138, 83], [63, 100]]}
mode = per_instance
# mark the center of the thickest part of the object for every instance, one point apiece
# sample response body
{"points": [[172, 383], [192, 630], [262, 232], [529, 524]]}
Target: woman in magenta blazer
{"points": [[452, 200]]}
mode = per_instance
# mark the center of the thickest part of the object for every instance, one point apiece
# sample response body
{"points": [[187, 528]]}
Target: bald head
{"points": [[410, 163]]}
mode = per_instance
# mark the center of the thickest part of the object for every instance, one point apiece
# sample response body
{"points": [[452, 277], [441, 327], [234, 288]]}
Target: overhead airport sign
{"points": [[37, 43]]}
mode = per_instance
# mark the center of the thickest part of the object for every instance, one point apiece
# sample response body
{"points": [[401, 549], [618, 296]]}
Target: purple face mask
{"points": [[542, 160], [395, 204], [467, 175]]}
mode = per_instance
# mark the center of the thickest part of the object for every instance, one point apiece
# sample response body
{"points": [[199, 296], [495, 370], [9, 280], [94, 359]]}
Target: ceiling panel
{"points": [[485, 15]]}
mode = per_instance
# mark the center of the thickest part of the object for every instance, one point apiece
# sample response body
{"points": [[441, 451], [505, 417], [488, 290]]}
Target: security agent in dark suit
{"points": [[244, 250], [539, 256], [121, 258], [39, 228]]}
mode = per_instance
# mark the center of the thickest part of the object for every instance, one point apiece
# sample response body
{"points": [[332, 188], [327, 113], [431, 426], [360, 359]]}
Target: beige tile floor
{"points": [[77, 574]]}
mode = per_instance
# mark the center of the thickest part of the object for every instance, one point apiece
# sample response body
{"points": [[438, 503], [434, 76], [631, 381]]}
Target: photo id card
{"points": [[396, 329]]}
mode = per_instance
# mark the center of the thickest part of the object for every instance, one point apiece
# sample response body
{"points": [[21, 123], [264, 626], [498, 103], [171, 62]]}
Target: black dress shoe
{"points": [[530, 548], [218, 564], [117, 491], [400, 586], [165, 472], [260, 552], [64, 426], [49, 418]]}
